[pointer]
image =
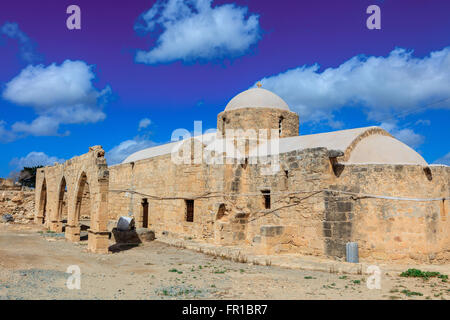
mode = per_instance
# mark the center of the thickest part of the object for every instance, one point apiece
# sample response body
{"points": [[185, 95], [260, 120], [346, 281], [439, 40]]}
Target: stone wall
{"points": [[292, 224], [20, 204], [388, 229], [166, 186], [229, 200], [8, 184], [303, 216], [262, 118], [316, 205], [85, 178]]}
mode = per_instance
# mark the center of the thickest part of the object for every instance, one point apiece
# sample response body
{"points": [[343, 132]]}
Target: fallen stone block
{"points": [[133, 236]]}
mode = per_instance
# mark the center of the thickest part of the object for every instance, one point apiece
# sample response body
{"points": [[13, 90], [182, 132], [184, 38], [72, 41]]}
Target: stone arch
{"points": [[62, 203], [66, 185], [82, 208], [42, 207]]}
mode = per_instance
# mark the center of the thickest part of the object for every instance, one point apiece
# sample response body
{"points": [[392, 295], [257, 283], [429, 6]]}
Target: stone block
{"points": [[271, 231], [98, 242]]}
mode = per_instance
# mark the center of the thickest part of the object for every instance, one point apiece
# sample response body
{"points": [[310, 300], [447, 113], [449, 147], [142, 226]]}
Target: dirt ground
{"points": [[33, 266]]}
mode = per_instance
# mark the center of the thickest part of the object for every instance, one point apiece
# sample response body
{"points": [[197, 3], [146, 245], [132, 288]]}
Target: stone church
{"points": [[257, 183]]}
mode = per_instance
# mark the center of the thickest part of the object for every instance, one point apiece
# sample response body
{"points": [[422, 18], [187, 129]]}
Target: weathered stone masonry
{"points": [[328, 190], [77, 174]]}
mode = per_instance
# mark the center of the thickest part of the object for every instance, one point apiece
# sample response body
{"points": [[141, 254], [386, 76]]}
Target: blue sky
{"points": [[135, 73]]}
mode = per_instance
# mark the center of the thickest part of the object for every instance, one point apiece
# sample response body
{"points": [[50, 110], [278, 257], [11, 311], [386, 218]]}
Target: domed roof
{"points": [[256, 98]]}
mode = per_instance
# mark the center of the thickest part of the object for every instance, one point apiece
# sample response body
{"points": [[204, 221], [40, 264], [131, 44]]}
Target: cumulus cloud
{"points": [[444, 160], [5, 134], [120, 152], [407, 136], [144, 123], [384, 86], [194, 30], [28, 54], [423, 122], [41, 126], [59, 94], [34, 159]]}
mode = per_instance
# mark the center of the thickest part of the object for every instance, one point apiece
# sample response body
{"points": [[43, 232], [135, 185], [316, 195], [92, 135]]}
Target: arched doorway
{"points": [[62, 204], [42, 203], [83, 207]]}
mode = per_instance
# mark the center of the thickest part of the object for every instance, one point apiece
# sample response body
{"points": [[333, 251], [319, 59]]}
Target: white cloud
{"points": [[444, 160], [33, 159], [120, 152], [41, 126], [26, 46], [384, 86], [59, 94], [5, 134], [144, 123], [407, 136], [193, 29], [423, 122]]}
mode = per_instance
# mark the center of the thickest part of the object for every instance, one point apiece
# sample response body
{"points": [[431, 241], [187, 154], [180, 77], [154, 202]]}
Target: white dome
{"points": [[257, 98]]}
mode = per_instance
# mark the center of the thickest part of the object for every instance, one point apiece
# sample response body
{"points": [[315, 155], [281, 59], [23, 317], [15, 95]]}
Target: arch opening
{"points": [[83, 207], [43, 202], [62, 203]]}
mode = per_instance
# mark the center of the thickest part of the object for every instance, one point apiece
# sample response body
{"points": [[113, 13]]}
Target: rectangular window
{"points": [[266, 195], [144, 204], [189, 210], [280, 125]]}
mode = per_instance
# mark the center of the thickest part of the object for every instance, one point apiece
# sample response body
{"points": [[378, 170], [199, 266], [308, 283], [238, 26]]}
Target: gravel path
{"points": [[33, 266]]}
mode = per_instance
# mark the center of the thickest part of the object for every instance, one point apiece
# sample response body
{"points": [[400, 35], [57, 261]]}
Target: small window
{"points": [[280, 125], [144, 204], [223, 126], [189, 210], [266, 195]]}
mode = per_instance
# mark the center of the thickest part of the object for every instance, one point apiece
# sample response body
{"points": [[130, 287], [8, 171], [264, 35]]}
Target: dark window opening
{"points": [[266, 195], [221, 211], [280, 125], [428, 173], [189, 210], [223, 126], [144, 213]]}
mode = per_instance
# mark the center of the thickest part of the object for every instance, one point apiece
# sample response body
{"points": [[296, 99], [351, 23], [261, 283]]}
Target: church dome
{"points": [[257, 98]]}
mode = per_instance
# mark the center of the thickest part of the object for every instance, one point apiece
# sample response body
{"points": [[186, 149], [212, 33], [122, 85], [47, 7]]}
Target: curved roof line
{"points": [[368, 132], [343, 140], [257, 98]]}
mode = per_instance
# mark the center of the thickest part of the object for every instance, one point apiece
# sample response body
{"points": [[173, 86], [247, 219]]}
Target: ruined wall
{"points": [[85, 177], [20, 204], [390, 229], [8, 184]]}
